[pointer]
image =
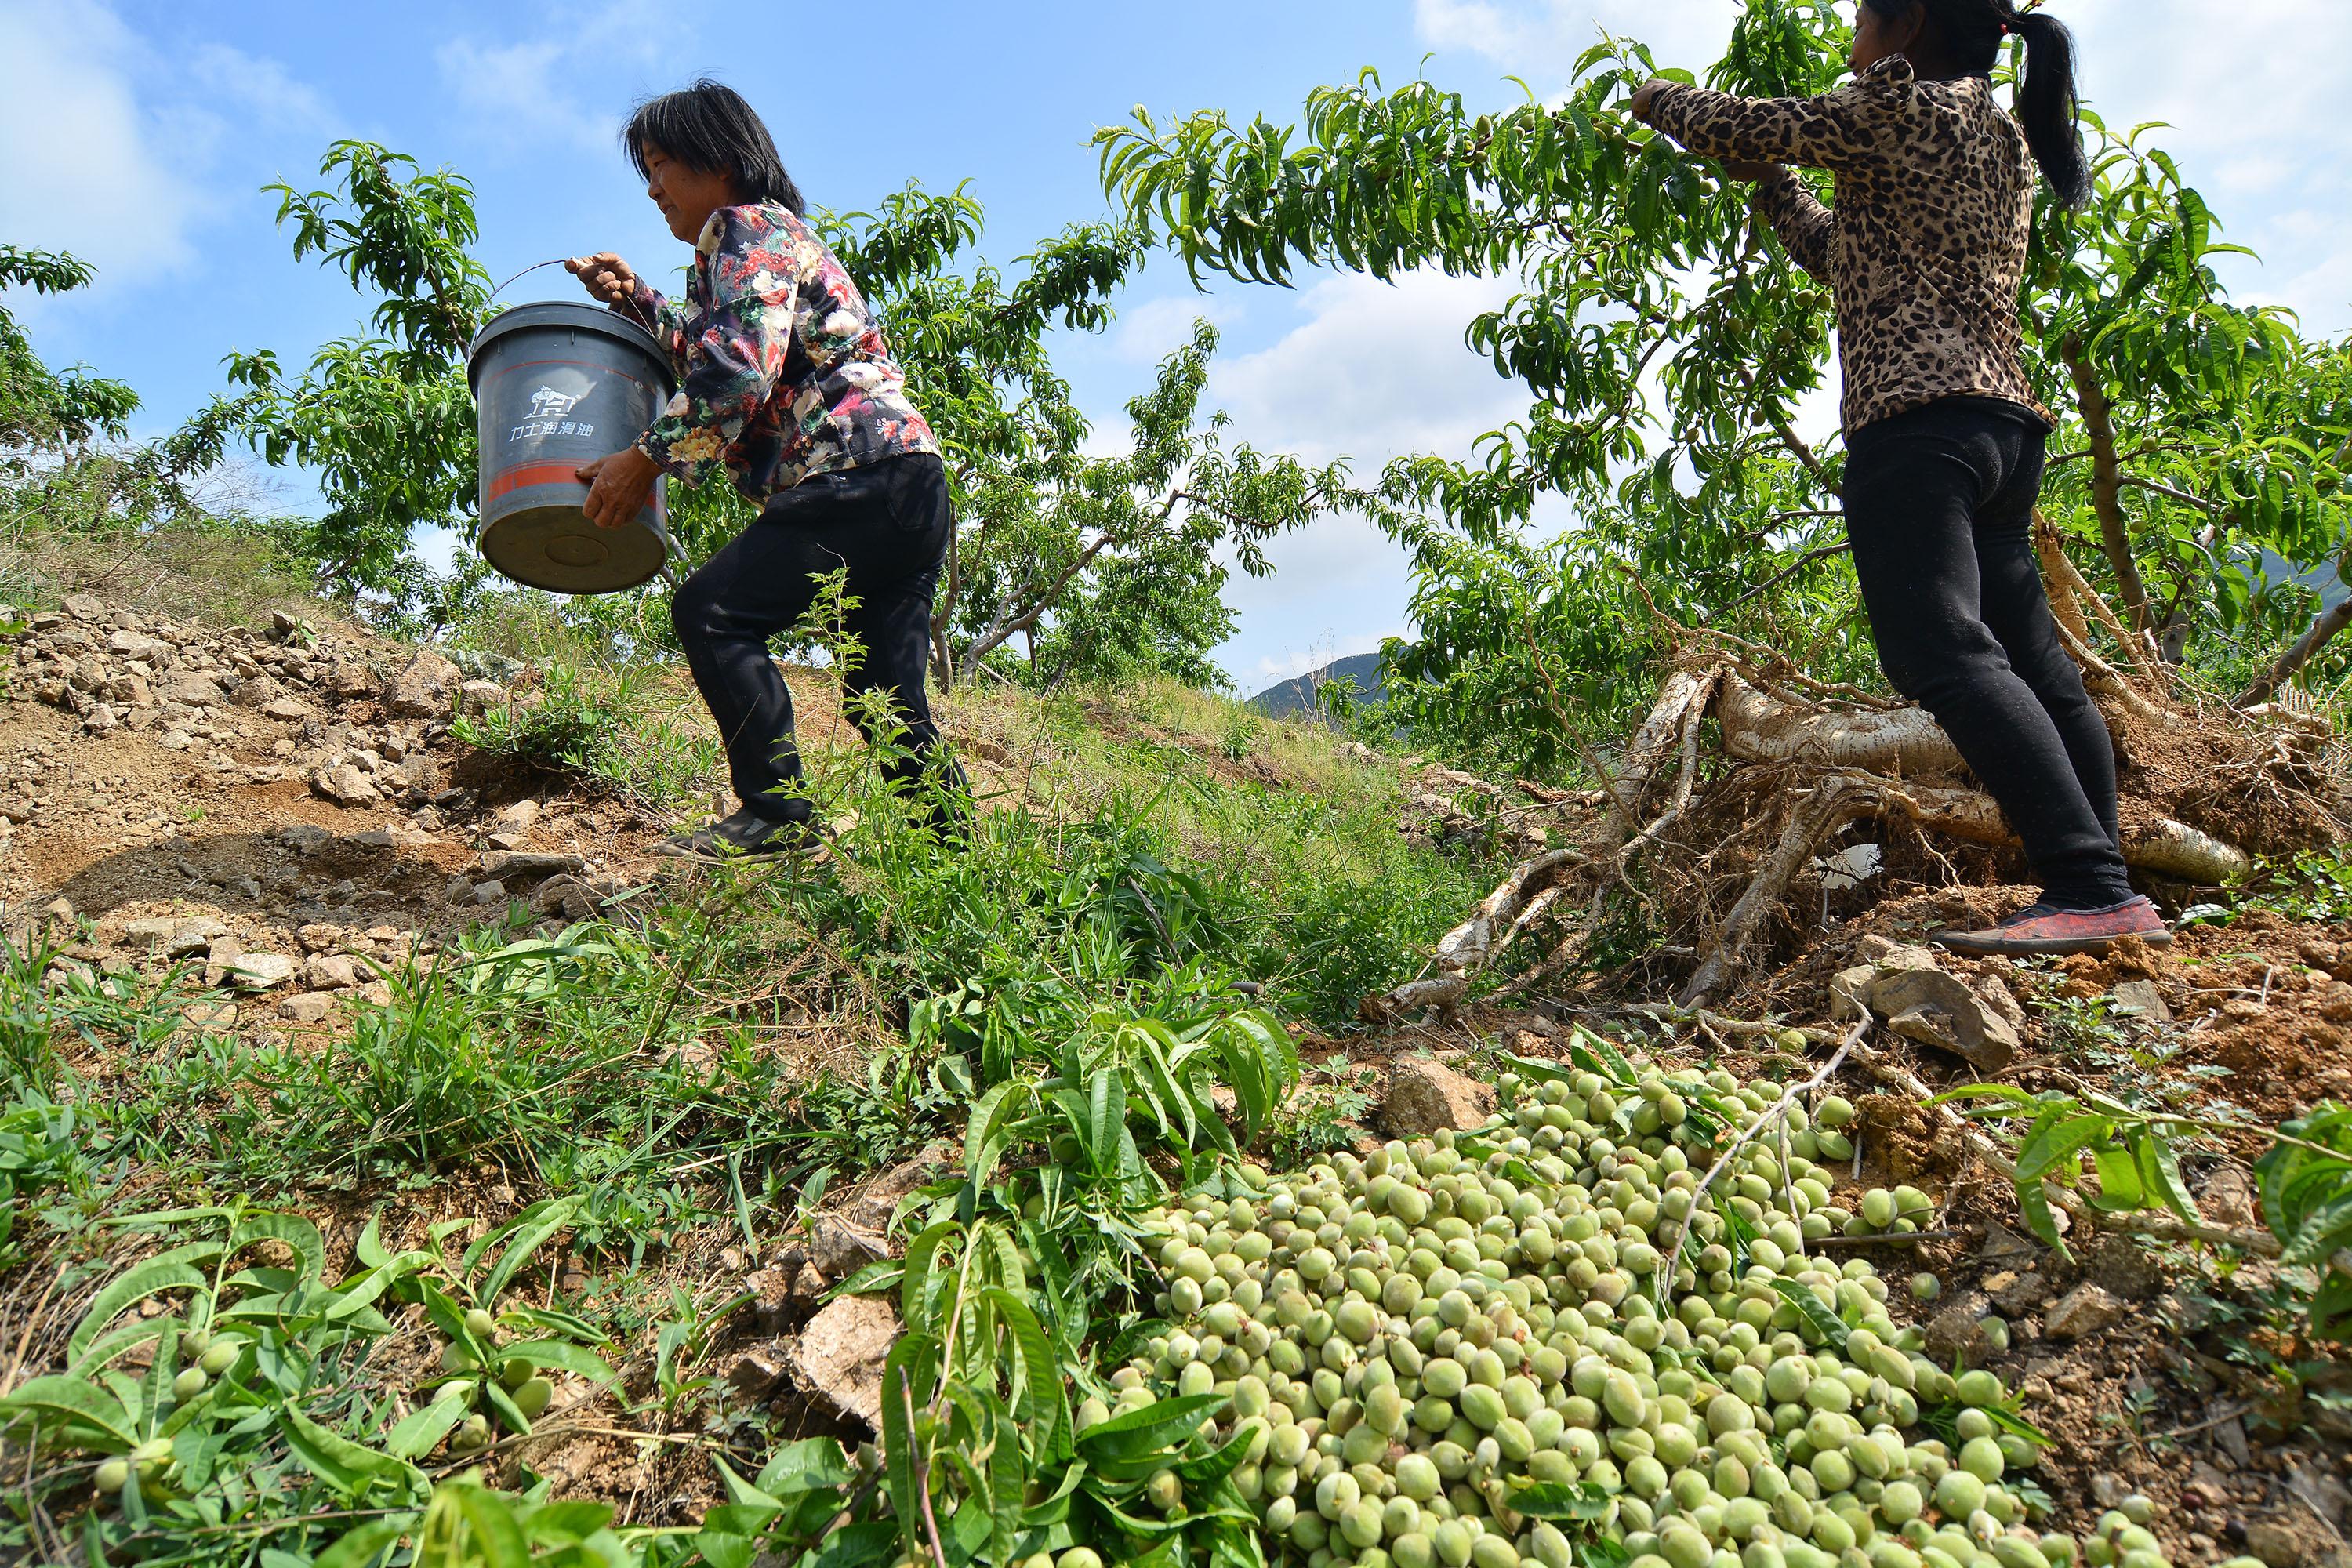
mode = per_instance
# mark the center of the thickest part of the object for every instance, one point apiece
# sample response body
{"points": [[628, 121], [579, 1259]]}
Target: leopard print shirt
{"points": [[1926, 246]]}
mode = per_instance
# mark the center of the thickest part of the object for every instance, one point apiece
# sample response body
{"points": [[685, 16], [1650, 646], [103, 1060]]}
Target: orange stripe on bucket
{"points": [[534, 474]]}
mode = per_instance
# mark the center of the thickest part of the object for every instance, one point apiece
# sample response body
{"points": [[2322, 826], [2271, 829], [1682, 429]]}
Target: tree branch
{"points": [[2292, 663], [1795, 443], [995, 636], [2056, 560], [2107, 480], [2154, 487], [1807, 558]]}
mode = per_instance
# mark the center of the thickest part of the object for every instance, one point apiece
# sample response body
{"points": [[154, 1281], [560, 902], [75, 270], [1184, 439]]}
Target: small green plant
{"points": [[1240, 736], [40, 1155], [464, 1524], [253, 1384], [2315, 888], [132, 1014], [601, 727], [225, 1371], [2305, 1178], [494, 1365], [1325, 1115]]}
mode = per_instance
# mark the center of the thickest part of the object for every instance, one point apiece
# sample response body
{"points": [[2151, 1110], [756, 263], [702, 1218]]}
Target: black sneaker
{"points": [[745, 834]]}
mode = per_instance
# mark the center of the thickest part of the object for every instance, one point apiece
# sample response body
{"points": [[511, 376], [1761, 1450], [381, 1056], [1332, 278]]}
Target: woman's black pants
{"points": [[889, 525], [1939, 505]]}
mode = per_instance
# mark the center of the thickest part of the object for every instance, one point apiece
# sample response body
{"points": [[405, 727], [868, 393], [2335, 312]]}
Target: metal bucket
{"points": [[557, 385]]}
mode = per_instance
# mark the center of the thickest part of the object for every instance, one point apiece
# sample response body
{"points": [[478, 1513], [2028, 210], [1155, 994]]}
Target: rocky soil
{"points": [[285, 809]]}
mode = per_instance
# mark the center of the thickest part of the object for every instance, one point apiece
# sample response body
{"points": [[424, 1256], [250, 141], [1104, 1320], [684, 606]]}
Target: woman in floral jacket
{"points": [[784, 381]]}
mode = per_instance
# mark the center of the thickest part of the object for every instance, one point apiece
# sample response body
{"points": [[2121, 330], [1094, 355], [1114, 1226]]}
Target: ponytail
{"points": [[2048, 106], [1968, 35]]}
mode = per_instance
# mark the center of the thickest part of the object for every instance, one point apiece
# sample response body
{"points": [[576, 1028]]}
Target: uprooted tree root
{"points": [[1706, 842]]}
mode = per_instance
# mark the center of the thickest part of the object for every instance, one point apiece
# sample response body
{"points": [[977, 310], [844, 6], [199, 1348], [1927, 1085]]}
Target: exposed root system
{"points": [[1726, 807]]}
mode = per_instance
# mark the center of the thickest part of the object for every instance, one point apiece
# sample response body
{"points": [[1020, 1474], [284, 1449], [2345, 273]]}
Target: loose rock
{"points": [[330, 971], [2140, 999], [838, 1357], [259, 971], [310, 1008], [423, 688], [758, 1370], [1934, 1007], [2085, 1309], [1424, 1096], [527, 864], [344, 784], [840, 1248]]}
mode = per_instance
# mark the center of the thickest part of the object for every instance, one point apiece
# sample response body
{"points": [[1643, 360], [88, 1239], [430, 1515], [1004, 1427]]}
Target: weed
{"points": [[2315, 887], [1326, 1115], [224, 1379], [41, 1156], [45, 1006], [1240, 735], [599, 726]]}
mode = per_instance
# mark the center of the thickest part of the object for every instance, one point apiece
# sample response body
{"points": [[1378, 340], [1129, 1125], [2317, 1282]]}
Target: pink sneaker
{"points": [[2042, 930]]}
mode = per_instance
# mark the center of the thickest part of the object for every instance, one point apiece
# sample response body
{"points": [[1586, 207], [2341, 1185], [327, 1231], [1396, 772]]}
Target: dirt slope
{"points": [[276, 805]]}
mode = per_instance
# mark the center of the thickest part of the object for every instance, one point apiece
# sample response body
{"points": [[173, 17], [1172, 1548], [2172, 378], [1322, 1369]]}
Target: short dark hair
{"points": [[709, 128], [2048, 106]]}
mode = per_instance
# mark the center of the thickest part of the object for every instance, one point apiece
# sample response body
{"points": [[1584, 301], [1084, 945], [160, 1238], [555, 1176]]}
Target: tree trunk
{"points": [[1759, 727], [2107, 482], [2057, 572]]}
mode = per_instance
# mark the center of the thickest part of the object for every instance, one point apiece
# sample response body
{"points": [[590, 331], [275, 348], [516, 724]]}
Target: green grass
{"points": [[677, 1060], [698, 1068]]}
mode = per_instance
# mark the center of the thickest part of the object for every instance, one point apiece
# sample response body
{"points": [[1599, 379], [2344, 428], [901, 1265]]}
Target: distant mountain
{"points": [[2322, 579], [1360, 674]]}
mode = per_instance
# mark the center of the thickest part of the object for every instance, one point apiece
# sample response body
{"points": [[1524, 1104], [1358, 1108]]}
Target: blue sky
{"points": [[138, 134]]}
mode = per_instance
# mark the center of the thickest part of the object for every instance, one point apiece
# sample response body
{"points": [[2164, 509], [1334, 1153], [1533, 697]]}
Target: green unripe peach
{"points": [[533, 1397], [1417, 1476], [1979, 1387], [1959, 1494]]}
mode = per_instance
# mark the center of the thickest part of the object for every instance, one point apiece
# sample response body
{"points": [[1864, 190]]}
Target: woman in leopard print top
{"points": [[1924, 250]]}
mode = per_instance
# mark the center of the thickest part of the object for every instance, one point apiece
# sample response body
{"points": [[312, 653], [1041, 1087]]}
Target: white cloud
{"points": [[1538, 40], [1377, 369], [1152, 331], [1372, 371], [2253, 106], [519, 90], [88, 169], [260, 90], [113, 148]]}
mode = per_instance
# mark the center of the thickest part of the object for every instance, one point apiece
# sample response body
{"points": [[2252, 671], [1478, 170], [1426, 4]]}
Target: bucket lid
{"points": [[571, 316], [558, 549]]}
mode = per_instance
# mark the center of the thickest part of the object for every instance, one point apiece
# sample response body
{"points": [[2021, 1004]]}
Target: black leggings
{"points": [[1939, 505], [888, 523]]}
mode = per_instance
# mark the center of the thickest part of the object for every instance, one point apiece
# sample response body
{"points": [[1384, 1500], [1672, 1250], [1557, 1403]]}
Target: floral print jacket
{"points": [[1926, 246], [783, 373]]}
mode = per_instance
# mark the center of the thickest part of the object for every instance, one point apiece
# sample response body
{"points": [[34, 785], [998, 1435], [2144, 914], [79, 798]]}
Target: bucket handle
{"points": [[552, 262]]}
